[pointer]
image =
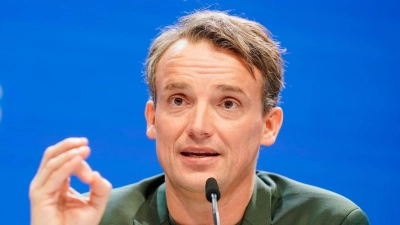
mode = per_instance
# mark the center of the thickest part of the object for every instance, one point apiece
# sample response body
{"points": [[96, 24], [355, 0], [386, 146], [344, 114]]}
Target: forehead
{"points": [[202, 58]]}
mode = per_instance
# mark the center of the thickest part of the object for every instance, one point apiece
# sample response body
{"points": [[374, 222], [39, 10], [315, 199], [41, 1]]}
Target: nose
{"points": [[200, 121]]}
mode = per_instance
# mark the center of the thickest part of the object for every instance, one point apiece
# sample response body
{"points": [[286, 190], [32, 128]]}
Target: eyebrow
{"points": [[229, 88], [174, 86]]}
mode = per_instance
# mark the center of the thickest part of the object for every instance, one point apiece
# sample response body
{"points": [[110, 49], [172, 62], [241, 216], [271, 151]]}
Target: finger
{"points": [[41, 187], [61, 147], [71, 199], [69, 195], [66, 185], [57, 178], [84, 172], [100, 190], [73, 196], [55, 163]]}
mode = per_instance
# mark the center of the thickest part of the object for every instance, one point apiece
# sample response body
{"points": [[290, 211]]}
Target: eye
{"points": [[229, 104], [177, 101]]}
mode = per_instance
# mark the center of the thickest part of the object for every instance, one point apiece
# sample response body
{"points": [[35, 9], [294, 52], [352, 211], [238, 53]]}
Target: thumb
{"points": [[100, 190]]}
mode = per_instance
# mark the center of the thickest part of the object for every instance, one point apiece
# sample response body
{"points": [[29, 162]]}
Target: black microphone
{"points": [[213, 195]]}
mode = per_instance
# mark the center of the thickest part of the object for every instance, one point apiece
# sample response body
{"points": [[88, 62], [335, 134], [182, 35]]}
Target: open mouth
{"points": [[199, 154]]}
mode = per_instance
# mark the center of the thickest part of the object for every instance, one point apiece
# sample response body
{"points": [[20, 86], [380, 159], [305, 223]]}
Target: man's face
{"points": [[208, 121]]}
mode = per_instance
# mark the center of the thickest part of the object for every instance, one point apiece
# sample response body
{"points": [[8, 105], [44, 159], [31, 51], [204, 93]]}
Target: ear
{"points": [[272, 124], [150, 114]]}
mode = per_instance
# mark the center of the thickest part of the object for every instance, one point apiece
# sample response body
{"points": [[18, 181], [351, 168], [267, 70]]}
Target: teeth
{"points": [[199, 154]]}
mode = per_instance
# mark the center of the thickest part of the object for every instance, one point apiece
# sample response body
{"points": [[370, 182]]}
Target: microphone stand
{"points": [[215, 208]]}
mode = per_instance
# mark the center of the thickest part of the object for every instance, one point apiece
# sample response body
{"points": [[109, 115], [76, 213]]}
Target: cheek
{"points": [[168, 130], [246, 138], [244, 131]]}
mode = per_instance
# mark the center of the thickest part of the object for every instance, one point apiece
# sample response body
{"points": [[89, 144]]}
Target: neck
{"points": [[188, 207]]}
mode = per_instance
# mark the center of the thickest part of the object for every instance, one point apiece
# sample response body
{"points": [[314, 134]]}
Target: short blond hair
{"points": [[248, 39]]}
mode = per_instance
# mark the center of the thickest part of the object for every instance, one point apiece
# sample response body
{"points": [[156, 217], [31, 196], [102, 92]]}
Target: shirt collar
{"points": [[258, 211]]}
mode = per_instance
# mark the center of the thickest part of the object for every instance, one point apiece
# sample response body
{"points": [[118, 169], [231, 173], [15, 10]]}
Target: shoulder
{"points": [[296, 201], [125, 202]]}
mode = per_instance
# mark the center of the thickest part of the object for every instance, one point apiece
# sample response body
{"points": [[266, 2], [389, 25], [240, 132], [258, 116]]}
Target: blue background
{"points": [[74, 68]]}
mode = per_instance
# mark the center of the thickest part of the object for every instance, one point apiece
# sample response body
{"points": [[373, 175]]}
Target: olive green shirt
{"points": [[276, 200]]}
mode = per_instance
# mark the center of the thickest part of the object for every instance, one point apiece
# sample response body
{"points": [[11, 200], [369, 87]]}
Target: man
{"points": [[214, 81]]}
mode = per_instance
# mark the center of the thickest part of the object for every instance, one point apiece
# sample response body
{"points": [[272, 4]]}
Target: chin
{"points": [[194, 182]]}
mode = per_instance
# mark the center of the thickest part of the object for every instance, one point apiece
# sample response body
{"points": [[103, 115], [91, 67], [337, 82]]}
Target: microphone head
{"points": [[212, 187]]}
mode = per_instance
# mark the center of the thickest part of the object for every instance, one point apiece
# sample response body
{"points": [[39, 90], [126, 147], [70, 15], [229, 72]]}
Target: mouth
{"points": [[199, 154]]}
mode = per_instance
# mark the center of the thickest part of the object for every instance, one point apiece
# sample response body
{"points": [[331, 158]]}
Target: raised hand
{"points": [[53, 200]]}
